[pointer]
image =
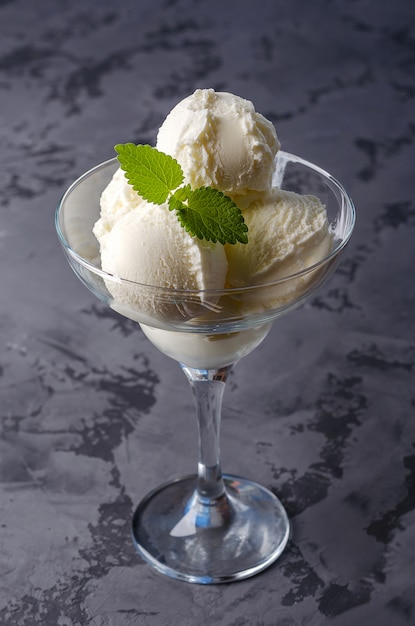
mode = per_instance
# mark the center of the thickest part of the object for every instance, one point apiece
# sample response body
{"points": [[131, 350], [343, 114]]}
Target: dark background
{"points": [[92, 416]]}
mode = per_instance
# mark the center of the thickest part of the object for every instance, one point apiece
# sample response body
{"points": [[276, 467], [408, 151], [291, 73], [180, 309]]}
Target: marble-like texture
{"points": [[92, 417]]}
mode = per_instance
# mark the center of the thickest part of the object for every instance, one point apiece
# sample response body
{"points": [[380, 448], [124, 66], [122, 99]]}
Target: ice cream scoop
{"points": [[147, 245], [220, 141], [117, 199], [288, 232]]}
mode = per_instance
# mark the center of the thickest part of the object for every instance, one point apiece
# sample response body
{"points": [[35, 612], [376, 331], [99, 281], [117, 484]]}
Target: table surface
{"points": [[92, 417]]}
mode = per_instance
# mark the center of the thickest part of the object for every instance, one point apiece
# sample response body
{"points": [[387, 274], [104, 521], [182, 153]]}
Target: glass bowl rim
{"points": [[281, 155]]}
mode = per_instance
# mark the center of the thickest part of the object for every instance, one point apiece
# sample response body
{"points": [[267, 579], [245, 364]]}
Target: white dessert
{"points": [[148, 246], [220, 141], [206, 351]]}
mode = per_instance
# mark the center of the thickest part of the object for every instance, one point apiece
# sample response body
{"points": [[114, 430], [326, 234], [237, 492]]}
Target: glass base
{"points": [[191, 538]]}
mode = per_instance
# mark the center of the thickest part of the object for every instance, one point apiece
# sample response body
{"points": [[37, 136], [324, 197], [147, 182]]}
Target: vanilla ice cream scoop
{"points": [[117, 199], [288, 233], [220, 141], [148, 246]]}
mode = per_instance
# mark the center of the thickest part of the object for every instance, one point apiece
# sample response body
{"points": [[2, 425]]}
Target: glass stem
{"points": [[208, 387]]}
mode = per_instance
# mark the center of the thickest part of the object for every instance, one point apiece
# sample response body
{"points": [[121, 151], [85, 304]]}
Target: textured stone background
{"points": [[92, 417]]}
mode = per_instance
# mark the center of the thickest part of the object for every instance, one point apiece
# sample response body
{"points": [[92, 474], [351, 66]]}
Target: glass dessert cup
{"points": [[210, 527]]}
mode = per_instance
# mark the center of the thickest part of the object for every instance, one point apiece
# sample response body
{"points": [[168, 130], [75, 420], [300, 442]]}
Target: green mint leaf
{"points": [[183, 193], [205, 212], [211, 215], [175, 204], [150, 172]]}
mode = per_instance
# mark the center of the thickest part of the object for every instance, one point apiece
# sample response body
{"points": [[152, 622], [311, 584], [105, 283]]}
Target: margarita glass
{"points": [[209, 527]]}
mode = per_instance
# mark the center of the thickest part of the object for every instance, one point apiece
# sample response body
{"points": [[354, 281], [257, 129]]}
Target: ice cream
{"points": [[222, 142], [117, 199], [148, 246], [287, 233], [143, 232]]}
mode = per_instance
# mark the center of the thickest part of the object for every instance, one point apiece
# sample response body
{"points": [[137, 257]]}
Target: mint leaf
{"points": [[183, 193], [175, 204], [205, 212], [150, 172], [211, 215]]}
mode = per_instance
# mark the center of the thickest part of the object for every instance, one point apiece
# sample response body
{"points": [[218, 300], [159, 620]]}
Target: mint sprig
{"points": [[204, 212]]}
